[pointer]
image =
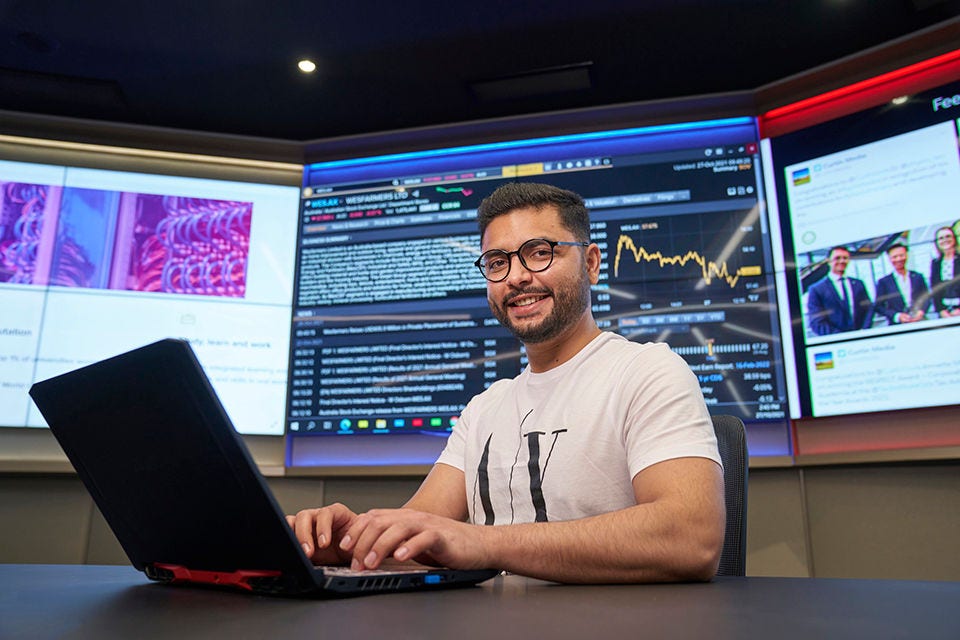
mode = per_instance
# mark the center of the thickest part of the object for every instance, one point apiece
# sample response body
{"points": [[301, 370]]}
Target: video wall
{"points": [[94, 263], [805, 274], [391, 331], [869, 226], [728, 247]]}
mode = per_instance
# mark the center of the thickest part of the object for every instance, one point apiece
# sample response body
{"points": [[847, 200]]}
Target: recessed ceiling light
{"points": [[307, 66], [900, 100]]}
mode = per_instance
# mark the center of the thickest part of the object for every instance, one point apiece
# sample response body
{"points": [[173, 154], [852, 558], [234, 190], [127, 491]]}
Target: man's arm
{"points": [[886, 297], [675, 532], [863, 303], [921, 295], [443, 493], [818, 315]]}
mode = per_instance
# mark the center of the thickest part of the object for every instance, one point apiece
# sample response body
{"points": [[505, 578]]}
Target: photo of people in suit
{"points": [[880, 283], [838, 303], [902, 296], [945, 274]]}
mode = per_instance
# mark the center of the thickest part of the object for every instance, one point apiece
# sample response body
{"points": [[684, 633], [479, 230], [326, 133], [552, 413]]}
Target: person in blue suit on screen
{"points": [[598, 463], [902, 296], [838, 303]]}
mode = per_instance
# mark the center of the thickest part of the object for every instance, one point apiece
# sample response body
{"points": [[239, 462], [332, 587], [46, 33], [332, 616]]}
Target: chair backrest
{"points": [[732, 442]]}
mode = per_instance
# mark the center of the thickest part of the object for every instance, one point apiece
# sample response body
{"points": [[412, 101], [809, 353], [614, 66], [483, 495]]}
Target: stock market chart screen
{"points": [[391, 330]]}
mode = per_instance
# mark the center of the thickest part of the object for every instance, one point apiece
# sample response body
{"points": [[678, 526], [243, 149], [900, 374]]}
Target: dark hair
{"points": [[840, 247], [518, 195], [897, 245]]}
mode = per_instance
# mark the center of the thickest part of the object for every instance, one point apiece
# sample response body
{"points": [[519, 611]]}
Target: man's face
{"points": [[839, 259], [898, 258], [537, 307]]}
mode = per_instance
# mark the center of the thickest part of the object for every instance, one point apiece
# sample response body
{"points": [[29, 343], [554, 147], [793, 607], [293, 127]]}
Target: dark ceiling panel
{"points": [[227, 66]]}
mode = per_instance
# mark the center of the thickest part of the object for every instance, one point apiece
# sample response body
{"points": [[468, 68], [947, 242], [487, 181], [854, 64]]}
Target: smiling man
{"points": [[837, 302], [598, 463], [902, 296]]}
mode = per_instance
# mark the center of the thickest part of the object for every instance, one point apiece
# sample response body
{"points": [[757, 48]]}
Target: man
{"points": [[598, 463], [902, 296], [838, 303]]}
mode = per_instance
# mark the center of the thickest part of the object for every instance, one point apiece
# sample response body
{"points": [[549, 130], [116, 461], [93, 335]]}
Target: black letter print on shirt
{"points": [[536, 479], [483, 478], [533, 467], [536, 473]]}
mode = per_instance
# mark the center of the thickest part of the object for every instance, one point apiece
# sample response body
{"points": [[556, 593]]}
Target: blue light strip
{"points": [[533, 142]]}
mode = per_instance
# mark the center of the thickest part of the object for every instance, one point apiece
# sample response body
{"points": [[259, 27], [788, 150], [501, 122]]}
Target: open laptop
{"points": [[175, 482]]}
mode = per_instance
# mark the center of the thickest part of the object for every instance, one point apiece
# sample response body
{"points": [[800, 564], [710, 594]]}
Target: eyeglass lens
{"points": [[535, 255]]}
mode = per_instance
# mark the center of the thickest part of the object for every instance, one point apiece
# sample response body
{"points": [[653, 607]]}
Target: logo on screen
{"points": [[801, 176], [823, 360]]}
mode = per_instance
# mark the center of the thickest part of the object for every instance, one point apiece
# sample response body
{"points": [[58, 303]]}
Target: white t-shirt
{"points": [[566, 444]]}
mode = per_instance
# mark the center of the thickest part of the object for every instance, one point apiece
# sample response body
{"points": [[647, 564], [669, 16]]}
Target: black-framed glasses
{"points": [[535, 255]]}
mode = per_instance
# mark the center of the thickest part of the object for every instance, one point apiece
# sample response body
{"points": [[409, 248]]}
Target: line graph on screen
{"points": [[710, 270]]}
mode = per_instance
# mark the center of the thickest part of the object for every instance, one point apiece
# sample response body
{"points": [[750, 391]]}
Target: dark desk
{"points": [[76, 601]]}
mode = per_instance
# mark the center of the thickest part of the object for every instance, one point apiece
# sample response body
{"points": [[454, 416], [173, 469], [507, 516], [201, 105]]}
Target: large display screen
{"points": [[391, 330], [94, 263], [871, 197]]}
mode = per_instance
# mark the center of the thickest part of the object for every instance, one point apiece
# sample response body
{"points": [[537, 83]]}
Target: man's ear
{"points": [[593, 263]]}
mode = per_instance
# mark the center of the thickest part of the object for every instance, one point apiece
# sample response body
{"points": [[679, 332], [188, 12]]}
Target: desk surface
{"points": [[78, 601]]}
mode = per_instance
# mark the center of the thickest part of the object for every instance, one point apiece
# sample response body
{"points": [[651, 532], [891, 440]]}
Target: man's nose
{"points": [[518, 271]]}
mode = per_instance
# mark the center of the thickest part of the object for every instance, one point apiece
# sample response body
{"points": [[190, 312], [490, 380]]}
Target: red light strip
{"points": [[860, 95]]}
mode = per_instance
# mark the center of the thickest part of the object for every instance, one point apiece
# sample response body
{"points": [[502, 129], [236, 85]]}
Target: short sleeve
{"points": [[454, 453], [667, 418]]}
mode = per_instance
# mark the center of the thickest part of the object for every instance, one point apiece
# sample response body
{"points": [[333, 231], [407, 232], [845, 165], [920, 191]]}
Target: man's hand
{"points": [[320, 532], [904, 318], [407, 534]]}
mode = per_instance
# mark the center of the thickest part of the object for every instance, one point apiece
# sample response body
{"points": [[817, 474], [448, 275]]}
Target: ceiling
{"points": [[229, 66]]}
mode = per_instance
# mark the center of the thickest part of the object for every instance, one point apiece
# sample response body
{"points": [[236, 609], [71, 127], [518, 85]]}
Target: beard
{"points": [[569, 303]]}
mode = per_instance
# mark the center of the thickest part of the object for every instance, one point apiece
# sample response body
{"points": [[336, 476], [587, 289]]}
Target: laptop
{"points": [[151, 442]]}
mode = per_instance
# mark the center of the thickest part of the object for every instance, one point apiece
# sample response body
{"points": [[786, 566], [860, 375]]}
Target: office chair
{"points": [[732, 442]]}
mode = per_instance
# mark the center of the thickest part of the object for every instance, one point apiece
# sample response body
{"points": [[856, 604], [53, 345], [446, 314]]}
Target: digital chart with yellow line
{"points": [[701, 281]]}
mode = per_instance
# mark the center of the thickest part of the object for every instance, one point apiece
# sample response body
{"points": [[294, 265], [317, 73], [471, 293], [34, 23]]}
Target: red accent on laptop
{"points": [[233, 579]]}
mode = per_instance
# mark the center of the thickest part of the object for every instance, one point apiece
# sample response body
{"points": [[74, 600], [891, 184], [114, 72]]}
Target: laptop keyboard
{"points": [[347, 572]]}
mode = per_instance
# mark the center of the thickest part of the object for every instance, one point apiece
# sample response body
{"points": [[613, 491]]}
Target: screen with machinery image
{"points": [[96, 262]]}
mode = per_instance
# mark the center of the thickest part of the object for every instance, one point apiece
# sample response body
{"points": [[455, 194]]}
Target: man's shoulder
{"points": [[497, 389], [821, 289], [612, 344], [620, 357], [821, 283], [498, 392]]}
